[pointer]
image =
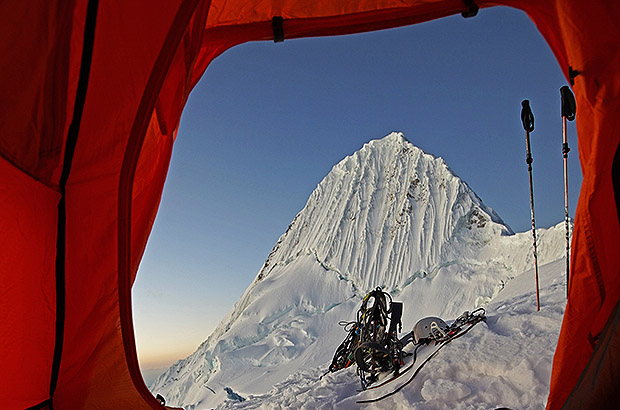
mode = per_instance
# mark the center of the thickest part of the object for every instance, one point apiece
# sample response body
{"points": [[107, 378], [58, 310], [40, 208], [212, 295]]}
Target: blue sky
{"points": [[268, 121]]}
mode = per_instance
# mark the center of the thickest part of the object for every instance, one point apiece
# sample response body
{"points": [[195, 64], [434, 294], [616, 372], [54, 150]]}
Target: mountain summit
{"points": [[389, 215], [385, 213]]}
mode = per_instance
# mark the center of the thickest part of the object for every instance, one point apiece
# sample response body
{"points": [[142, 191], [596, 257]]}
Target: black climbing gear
{"points": [[458, 328]]}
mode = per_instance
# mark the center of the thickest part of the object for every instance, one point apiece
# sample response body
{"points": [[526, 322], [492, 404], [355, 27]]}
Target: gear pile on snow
{"points": [[373, 344], [372, 341]]}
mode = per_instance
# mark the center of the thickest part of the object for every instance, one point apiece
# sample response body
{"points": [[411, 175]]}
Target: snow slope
{"points": [[503, 363], [389, 215]]}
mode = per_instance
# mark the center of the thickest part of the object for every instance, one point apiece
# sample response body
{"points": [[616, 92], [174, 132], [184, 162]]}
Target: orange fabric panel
{"points": [[146, 159], [94, 371], [27, 294], [226, 12], [38, 82], [99, 369], [148, 154], [351, 20], [594, 287], [151, 172], [585, 36]]}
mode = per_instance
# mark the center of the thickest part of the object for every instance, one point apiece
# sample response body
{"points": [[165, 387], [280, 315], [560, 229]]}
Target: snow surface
{"points": [[505, 362], [389, 215]]}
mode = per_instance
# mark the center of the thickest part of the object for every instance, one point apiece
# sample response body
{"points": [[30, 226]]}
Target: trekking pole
{"points": [[527, 118], [569, 109]]}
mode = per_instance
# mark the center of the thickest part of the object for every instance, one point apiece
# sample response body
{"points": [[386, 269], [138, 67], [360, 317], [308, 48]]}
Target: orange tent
{"points": [[91, 96]]}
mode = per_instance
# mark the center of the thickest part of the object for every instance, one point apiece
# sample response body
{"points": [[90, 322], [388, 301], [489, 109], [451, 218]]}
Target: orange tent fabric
{"points": [[92, 94]]}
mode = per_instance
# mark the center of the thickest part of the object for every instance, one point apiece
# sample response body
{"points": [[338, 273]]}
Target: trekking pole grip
{"points": [[527, 118], [569, 107]]}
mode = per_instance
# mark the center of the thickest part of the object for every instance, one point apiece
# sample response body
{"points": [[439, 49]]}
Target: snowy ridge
{"points": [[388, 215]]}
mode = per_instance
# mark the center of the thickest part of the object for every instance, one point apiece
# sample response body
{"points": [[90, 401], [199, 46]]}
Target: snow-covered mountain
{"points": [[389, 215]]}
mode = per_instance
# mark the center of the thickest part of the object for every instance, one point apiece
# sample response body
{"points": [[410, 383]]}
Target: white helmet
{"points": [[429, 328]]}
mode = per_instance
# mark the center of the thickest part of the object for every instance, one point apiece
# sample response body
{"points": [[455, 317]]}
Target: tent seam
{"points": [[72, 137]]}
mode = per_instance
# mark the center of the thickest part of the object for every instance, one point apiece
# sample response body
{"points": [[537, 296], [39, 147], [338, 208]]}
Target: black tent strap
{"points": [[572, 73], [471, 9], [277, 24]]}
